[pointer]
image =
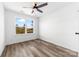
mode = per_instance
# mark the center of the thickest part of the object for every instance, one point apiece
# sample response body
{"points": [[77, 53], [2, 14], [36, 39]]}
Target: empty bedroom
{"points": [[39, 29]]}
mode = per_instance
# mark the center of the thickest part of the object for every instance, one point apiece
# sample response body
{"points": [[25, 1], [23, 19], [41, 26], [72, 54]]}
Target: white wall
{"points": [[59, 27], [10, 28], [2, 40]]}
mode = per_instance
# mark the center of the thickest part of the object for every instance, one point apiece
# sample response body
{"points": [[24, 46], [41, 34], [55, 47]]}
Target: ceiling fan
{"points": [[36, 6]]}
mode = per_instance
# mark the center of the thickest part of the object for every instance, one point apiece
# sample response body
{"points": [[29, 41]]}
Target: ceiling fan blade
{"points": [[39, 10], [27, 7], [32, 11], [42, 5]]}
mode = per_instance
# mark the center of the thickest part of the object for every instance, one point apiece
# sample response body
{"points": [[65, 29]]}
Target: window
{"points": [[20, 26], [24, 24], [29, 26]]}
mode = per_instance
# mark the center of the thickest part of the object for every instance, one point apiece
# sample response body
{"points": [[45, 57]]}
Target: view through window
{"points": [[29, 26], [24, 24]]}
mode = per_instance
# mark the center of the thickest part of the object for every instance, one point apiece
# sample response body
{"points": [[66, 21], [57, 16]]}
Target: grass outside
{"points": [[29, 30], [20, 30]]}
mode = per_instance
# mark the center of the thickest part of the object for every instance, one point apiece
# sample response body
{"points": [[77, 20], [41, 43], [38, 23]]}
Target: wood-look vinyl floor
{"points": [[37, 48]]}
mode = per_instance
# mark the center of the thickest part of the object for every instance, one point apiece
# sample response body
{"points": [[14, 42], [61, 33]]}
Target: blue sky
{"points": [[28, 22], [20, 22]]}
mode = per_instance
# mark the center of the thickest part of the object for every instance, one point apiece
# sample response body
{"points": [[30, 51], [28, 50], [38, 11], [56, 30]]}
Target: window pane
{"points": [[29, 25], [20, 26]]}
